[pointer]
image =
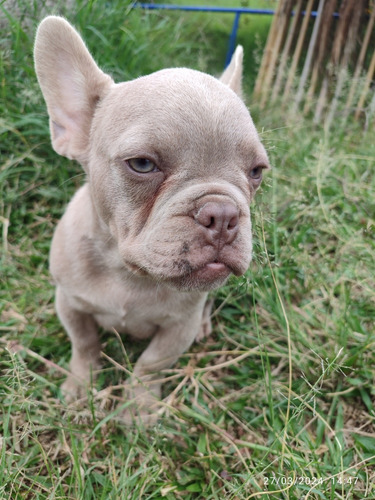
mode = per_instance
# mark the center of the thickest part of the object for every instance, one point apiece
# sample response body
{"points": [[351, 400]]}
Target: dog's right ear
{"points": [[72, 85], [232, 75]]}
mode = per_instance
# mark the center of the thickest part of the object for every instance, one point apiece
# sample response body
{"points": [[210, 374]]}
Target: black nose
{"points": [[220, 220]]}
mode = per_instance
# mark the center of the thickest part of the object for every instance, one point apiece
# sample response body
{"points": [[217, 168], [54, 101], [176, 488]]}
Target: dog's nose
{"points": [[220, 220]]}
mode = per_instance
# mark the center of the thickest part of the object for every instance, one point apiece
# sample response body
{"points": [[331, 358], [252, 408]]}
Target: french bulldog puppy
{"points": [[173, 161]]}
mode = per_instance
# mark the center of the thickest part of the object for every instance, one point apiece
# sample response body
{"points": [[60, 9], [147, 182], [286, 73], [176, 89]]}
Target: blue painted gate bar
{"points": [[229, 10]]}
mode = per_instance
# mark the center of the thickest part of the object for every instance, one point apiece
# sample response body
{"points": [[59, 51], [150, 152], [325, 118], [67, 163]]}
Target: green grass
{"points": [[284, 388]]}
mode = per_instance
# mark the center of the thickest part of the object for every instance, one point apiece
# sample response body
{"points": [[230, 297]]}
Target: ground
{"points": [[281, 396]]}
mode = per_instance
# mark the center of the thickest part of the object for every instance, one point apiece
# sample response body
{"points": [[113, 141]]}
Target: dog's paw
{"points": [[73, 389], [206, 327], [143, 406], [133, 416]]}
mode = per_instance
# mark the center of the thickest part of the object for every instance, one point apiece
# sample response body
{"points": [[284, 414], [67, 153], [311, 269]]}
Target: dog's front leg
{"points": [[83, 333], [165, 348]]}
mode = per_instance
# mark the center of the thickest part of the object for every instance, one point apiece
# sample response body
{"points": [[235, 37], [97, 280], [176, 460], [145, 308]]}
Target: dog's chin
{"points": [[206, 278]]}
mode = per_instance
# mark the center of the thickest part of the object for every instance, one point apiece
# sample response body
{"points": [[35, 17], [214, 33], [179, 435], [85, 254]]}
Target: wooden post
{"points": [[297, 52], [369, 77], [360, 61], [267, 52], [324, 35], [284, 20], [345, 14], [310, 53], [284, 56], [348, 50], [371, 113]]}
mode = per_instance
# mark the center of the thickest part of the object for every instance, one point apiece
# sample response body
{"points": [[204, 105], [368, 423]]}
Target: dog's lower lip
{"points": [[206, 276], [215, 266], [212, 270]]}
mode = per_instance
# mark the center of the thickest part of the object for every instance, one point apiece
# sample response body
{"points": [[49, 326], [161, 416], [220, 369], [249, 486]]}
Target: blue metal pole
{"points": [[232, 38], [233, 10]]}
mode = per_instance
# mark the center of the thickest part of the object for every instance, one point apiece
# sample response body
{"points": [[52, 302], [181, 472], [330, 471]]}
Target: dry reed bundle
{"points": [[325, 46]]}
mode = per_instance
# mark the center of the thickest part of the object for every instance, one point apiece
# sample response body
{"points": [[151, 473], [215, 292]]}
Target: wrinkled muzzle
{"points": [[194, 245]]}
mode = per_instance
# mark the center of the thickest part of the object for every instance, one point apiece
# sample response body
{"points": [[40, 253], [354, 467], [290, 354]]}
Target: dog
{"points": [[173, 161]]}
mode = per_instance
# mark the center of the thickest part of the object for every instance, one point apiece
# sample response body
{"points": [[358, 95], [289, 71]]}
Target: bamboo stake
{"points": [[298, 50], [344, 23], [369, 77], [284, 22], [321, 101], [330, 7], [360, 61], [267, 51], [310, 52], [348, 50], [344, 19], [286, 50], [371, 112]]}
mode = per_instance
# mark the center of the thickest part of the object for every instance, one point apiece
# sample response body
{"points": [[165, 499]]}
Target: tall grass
{"points": [[280, 398]]}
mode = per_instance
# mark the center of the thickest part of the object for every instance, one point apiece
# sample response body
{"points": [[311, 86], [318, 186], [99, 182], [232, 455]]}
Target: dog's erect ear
{"points": [[72, 85], [232, 75]]}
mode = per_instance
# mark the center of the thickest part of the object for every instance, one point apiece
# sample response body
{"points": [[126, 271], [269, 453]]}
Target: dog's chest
{"points": [[129, 308], [136, 319]]}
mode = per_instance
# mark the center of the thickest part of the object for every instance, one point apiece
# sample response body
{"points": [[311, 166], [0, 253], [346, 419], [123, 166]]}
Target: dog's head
{"points": [[173, 159]]}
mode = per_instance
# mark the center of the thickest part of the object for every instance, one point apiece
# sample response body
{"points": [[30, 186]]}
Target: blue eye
{"points": [[142, 165], [256, 173]]}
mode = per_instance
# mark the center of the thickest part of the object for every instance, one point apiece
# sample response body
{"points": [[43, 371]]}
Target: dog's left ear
{"points": [[232, 75]]}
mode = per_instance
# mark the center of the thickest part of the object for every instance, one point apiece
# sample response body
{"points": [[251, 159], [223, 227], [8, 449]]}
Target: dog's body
{"points": [[173, 161]]}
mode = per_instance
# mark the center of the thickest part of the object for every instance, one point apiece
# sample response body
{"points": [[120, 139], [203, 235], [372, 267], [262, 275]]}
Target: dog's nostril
{"points": [[233, 223], [219, 219]]}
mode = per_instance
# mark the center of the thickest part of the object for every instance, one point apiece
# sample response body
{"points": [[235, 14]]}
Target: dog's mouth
{"points": [[206, 277], [212, 270], [203, 277]]}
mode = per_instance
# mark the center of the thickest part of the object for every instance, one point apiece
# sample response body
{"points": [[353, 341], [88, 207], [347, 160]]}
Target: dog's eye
{"points": [[256, 173], [141, 165]]}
